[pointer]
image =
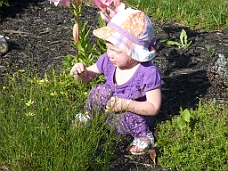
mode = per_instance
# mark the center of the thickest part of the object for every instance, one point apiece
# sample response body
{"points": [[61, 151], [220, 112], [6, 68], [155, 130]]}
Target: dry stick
{"points": [[15, 32]]}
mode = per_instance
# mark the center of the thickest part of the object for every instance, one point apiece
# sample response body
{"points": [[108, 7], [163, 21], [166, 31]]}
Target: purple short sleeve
{"points": [[102, 62], [152, 79], [147, 77]]}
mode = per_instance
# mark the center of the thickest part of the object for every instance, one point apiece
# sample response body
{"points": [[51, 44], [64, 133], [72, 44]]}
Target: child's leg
{"points": [[138, 127], [98, 98], [133, 124]]}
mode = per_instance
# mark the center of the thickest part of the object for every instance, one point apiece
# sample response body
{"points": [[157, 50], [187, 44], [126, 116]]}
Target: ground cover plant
{"points": [[36, 129], [36, 113], [195, 140], [5, 2]]}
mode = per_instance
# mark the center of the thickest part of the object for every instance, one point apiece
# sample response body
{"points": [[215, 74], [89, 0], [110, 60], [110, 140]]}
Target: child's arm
{"points": [[82, 73], [150, 107]]}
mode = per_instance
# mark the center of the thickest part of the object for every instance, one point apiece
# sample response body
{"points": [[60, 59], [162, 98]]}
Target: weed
{"points": [[36, 131], [5, 2], [210, 51], [199, 143], [183, 41]]}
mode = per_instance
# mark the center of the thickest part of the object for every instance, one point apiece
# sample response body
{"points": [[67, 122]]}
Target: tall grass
{"points": [[206, 14], [36, 131]]}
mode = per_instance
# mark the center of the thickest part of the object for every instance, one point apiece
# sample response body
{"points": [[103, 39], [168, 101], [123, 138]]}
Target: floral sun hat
{"points": [[130, 30]]}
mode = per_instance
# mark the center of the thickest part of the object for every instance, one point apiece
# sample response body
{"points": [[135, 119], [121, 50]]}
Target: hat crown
{"points": [[135, 22], [131, 31]]}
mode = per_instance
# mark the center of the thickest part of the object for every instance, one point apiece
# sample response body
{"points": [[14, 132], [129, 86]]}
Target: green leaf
{"points": [[183, 34], [189, 43], [163, 41], [183, 37], [173, 43], [181, 123], [186, 115], [4, 2], [169, 42]]}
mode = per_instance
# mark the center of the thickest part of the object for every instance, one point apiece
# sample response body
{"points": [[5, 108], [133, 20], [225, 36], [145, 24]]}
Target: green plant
{"points": [[184, 119], [36, 131], [200, 142], [210, 51], [5, 2], [86, 52], [37, 125], [183, 41]]}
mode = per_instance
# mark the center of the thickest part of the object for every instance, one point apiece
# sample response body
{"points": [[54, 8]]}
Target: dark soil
{"points": [[39, 35]]}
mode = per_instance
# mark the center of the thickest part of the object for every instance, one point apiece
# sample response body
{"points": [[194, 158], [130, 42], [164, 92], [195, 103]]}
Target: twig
{"points": [[44, 32], [15, 32], [142, 164]]}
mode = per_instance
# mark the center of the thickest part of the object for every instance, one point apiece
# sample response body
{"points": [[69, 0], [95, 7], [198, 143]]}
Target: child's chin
{"points": [[119, 65], [116, 65]]}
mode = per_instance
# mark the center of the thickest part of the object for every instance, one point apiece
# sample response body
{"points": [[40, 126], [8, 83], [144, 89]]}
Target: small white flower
{"points": [[54, 94], [30, 114], [29, 103], [43, 81]]}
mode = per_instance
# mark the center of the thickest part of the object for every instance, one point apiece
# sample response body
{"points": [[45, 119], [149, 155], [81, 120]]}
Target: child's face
{"points": [[117, 56]]}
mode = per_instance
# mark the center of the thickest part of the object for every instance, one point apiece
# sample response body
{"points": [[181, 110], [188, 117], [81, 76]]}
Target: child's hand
{"points": [[116, 104], [78, 70]]}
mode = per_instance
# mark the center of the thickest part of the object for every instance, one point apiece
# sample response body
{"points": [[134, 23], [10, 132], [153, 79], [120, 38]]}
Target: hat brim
{"points": [[104, 33], [111, 35], [137, 52]]}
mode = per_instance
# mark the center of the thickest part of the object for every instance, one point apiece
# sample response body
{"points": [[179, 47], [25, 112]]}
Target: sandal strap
{"points": [[82, 118], [151, 137], [143, 144], [139, 143]]}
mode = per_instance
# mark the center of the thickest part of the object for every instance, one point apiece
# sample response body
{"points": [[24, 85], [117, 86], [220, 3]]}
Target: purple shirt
{"points": [[147, 77]]}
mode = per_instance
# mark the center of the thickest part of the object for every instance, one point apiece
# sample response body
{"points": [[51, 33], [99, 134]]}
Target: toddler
{"points": [[132, 90]]}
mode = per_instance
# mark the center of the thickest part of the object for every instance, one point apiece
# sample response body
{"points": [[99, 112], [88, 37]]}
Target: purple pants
{"points": [[127, 123]]}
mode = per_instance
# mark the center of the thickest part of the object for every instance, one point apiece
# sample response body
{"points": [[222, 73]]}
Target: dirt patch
{"points": [[39, 36]]}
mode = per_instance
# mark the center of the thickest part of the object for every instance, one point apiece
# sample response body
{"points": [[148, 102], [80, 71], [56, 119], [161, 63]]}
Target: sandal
{"points": [[139, 145], [80, 120]]}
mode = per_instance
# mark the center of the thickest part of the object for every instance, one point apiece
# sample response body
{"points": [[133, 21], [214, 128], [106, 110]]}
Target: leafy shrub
{"points": [[3, 2], [195, 140]]}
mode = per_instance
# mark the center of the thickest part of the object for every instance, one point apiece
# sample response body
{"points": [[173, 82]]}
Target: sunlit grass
{"points": [[36, 131], [199, 144], [207, 14]]}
